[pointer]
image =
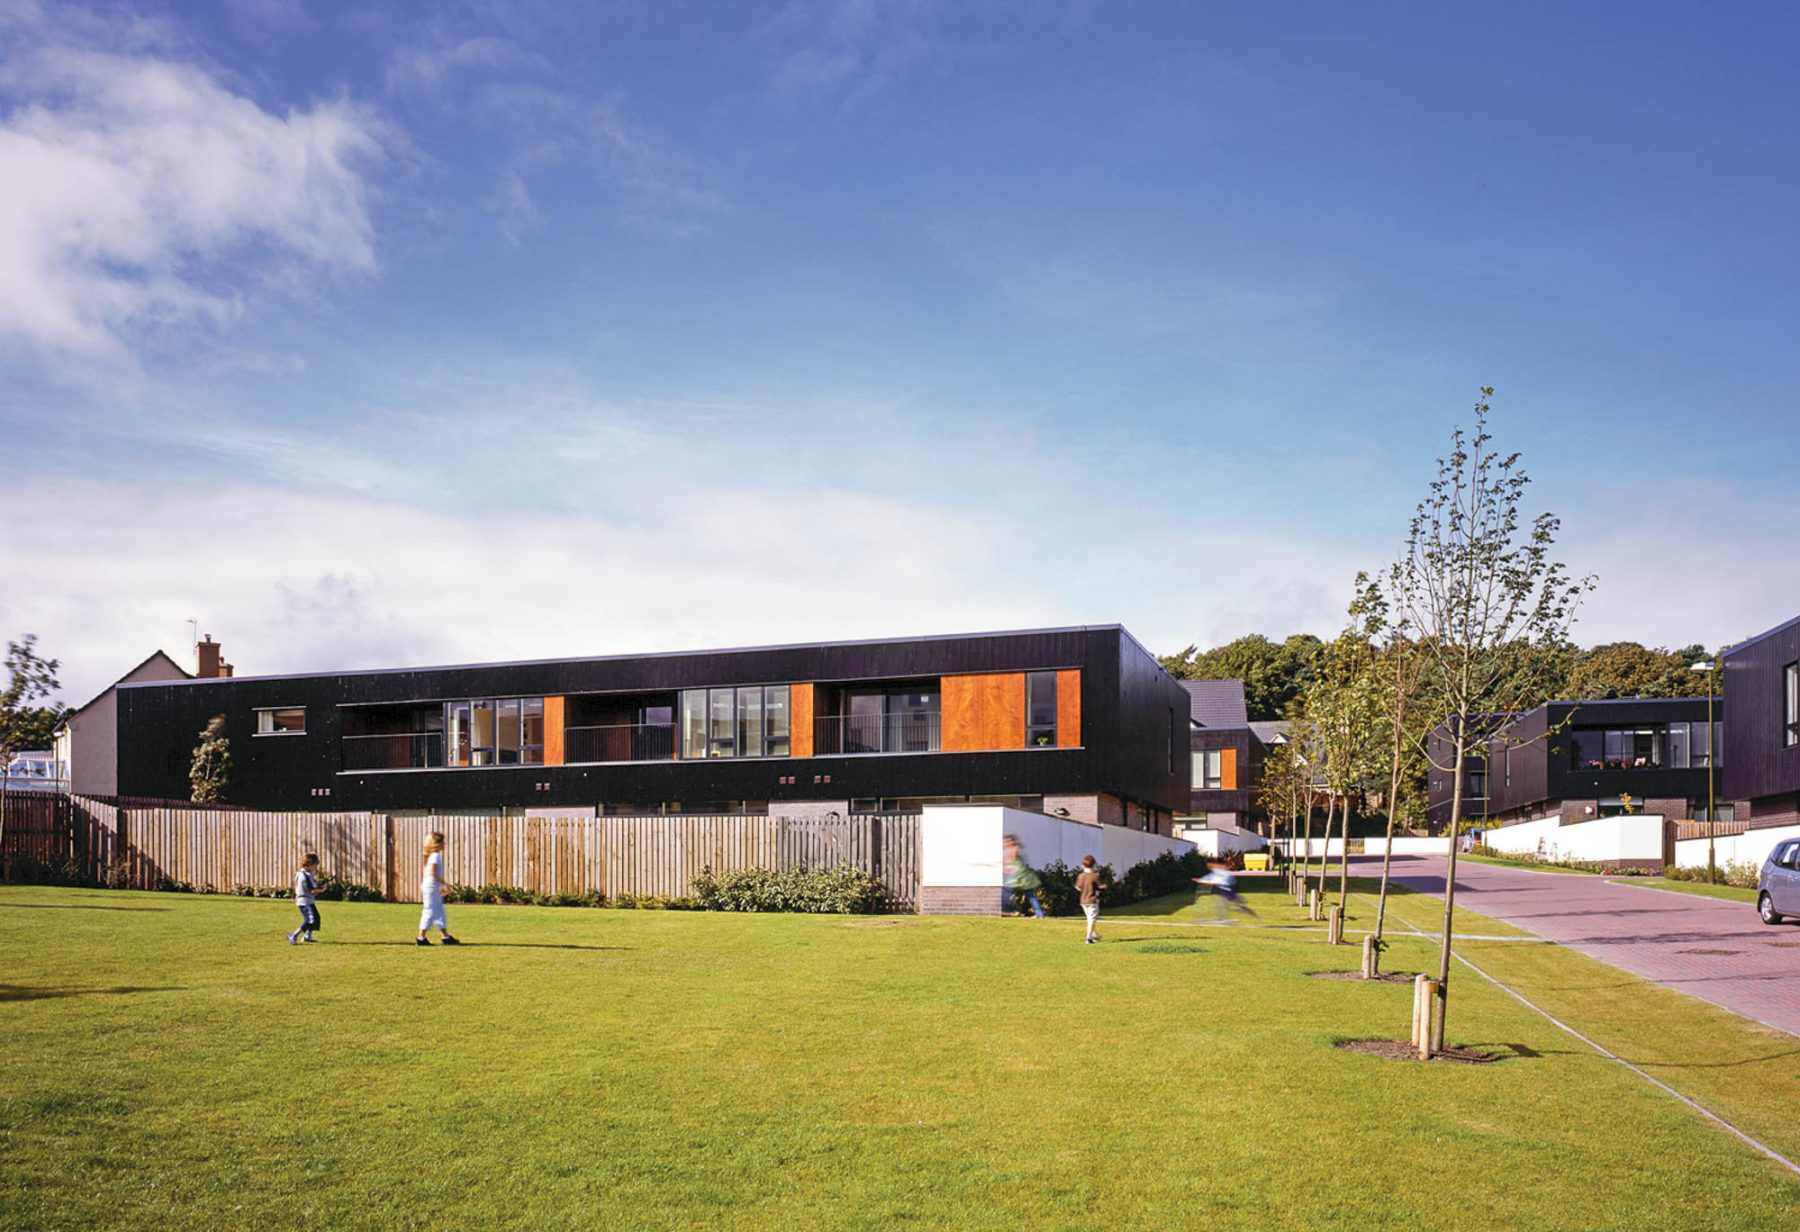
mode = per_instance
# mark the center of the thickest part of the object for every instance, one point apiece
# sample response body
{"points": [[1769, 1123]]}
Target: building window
{"points": [[281, 721], [1727, 813], [1209, 770], [1613, 748], [1790, 705], [507, 731], [1690, 748], [1475, 785], [748, 721], [1040, 710]]}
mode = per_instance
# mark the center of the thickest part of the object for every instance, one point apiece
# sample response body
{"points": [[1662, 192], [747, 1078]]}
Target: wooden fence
{"points": [[143, 845]]}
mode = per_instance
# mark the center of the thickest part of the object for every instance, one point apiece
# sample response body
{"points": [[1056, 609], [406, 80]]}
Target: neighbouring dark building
{"points": [[1080, 722], [1585, 759], [1762, 726], [1227, 752]]}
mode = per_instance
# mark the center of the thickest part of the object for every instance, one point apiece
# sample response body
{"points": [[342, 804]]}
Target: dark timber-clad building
{"points": [[1581, 760], [1080, 722], [1762, 729]]}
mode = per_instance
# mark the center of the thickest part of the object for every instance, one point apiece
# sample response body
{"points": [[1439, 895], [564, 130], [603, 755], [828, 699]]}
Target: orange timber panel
{"points": [[1068, 709], [983, 712], [800, 720], [553, 731], [1228, 769]]}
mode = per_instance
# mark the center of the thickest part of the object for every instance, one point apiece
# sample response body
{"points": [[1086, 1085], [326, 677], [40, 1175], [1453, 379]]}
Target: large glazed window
{"points": [[1790, 705], [748, 721], [1040, 710], [1209, 769]]}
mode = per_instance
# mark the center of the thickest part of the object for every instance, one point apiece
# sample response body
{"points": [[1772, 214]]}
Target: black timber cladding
{"points": [[1758, 761], [1534, 764], [1126, 703]]}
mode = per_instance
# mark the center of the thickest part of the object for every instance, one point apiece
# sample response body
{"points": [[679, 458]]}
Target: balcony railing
{"points": [[874, 733], [406, 751], [620, 742]]}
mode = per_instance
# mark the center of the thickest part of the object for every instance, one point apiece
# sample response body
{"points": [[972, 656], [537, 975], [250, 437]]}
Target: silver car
{"points": [[1778, 886]]}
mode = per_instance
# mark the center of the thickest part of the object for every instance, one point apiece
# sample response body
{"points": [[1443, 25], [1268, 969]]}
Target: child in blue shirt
{"points": [[306, 884]]}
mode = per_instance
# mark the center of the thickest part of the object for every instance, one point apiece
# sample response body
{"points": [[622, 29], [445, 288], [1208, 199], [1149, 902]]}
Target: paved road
{"points": [[1716, 950]]}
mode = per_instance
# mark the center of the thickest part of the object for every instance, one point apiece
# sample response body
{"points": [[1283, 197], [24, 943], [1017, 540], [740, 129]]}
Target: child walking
{"points": [[306, 884], [431, 887], [1089, 883]]}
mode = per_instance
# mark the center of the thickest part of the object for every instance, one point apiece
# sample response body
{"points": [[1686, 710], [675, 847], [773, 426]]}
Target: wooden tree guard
{"points": [[1312, 904], [1334, 931], [1424, 1011], [1371, 958]]}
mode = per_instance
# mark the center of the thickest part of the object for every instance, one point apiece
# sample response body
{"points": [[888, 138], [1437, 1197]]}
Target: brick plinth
{"points": [[960, 900]]}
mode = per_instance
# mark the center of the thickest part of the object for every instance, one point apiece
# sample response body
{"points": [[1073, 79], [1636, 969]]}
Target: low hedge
{"points": [[830, 891]]}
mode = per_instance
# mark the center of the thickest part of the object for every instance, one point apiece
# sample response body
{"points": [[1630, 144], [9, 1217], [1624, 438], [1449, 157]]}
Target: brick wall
{"points": [[1772, 811], [960, 900]]}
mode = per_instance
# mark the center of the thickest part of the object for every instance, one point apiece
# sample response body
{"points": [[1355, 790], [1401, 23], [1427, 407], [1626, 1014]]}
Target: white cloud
{"points": [[143, 192], [849, 49], [291, 580]]}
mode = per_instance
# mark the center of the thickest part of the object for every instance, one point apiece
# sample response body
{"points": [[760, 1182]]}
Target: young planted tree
{"points": [[1486, 593], [1348, 710], [1283, 789], [1400, 670], [211, 767]]}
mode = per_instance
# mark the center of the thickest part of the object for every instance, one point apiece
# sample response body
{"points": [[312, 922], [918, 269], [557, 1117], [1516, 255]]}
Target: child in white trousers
{"points": [[431, 888]]}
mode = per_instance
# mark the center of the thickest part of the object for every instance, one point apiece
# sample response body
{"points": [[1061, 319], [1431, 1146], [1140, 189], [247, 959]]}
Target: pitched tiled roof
{"points": [[1216, 703]]}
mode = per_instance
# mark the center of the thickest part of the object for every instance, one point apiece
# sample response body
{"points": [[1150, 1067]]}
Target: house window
{"points": [[1727, 813], [1209, 770], [1040, 709], [1475, 785], [508, 731], [1790, 705], [749, 721], [281, 721]]}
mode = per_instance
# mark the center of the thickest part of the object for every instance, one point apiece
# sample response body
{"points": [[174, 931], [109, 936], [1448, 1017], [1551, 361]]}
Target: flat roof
{"points": [[654, 654]]}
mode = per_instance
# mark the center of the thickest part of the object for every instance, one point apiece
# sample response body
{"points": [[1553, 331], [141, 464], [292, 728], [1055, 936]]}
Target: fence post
{"points": [[389, 888]]}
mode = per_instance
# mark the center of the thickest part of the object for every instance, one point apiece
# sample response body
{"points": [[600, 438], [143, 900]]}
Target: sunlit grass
{"points": [[169, 1061]]}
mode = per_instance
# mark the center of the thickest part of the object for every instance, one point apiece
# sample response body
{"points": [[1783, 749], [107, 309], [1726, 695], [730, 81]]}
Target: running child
{"points": [[306, 884], [1223, 884], [431, 888]]}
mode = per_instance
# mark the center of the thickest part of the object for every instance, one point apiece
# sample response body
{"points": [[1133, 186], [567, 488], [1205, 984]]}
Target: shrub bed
{"points": [[831, 891]]}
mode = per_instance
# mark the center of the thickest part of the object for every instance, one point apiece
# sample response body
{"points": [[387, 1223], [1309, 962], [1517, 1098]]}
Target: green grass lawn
{"points": [[1737, 894], [168, 1061]]}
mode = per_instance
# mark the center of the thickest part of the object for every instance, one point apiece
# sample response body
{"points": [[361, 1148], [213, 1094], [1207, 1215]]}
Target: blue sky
{"points": [[363, 337]]}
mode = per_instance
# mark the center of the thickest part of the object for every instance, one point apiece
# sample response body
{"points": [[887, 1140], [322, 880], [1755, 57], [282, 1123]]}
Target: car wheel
{"points": [[1765, 907]]}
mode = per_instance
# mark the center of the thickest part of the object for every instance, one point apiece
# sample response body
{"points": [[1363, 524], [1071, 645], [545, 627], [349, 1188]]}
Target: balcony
{"points": [[873, 733], [405, 751], [619, 742]]}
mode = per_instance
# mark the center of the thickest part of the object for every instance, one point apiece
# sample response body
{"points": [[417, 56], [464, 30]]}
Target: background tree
{"points": [[211, 767], [1626, 669], [1274, 673], [23, 725], [1346, 705], [1486, 592]]}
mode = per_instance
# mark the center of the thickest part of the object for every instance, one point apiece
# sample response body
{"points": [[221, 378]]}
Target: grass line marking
{"points": [[1704, 1111]]}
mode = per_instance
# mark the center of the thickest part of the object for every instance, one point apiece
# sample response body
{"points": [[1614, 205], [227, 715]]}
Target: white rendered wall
{"points": [[1604, 840], [1751, 847], [1407, 845], [960, 844], [1310, 847]]}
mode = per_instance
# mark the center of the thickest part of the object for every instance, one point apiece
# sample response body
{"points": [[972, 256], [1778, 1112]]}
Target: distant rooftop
{"points": [[1270, 731], [1216, 703]]}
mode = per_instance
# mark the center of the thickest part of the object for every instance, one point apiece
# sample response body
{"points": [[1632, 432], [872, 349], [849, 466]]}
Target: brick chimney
{"points": [[209, 661]]}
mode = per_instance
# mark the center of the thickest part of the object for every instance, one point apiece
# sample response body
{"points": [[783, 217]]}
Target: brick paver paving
{"points": [[1716, 950]]}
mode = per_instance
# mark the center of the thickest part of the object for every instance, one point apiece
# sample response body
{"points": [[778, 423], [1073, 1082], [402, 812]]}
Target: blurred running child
{"points": [[1089, 883], [1021, 880], [1223, 884], [431, 888], [306, 884]]}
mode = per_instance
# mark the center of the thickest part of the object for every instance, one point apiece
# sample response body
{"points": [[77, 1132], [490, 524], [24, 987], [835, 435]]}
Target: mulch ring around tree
{"points": [[1355, 977], [1403, 1050]]}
